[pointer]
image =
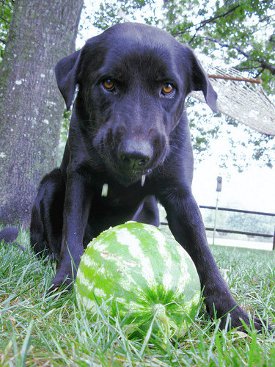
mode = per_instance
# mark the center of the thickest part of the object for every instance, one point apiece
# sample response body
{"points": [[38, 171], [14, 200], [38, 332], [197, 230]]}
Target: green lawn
{"points": [[41, 330]]}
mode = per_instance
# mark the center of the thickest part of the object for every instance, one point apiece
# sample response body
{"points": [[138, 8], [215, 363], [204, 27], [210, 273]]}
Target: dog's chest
{"points": [[119, 196]]}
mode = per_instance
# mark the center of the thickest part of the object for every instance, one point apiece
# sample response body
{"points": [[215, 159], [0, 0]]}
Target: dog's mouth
{"points": [[129, 171], [131, 160], [127, 178], [126, 181]]}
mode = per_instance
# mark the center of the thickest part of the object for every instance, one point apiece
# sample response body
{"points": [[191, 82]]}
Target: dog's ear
{"points": [[200, 81], [66, 76]]}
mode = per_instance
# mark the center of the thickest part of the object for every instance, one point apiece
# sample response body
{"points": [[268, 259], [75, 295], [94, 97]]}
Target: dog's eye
{"points": [[167, 89], [109, 85]]}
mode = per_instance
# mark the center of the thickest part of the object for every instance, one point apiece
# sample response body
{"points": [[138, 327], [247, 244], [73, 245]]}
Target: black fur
{"points": [[118, 135]]}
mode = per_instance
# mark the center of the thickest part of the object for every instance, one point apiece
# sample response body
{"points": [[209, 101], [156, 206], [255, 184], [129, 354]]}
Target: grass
{"points": [[41, 330]]}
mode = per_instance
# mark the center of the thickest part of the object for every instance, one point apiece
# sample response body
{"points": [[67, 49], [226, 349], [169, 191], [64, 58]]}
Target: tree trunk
{"points": [[31, 106]]}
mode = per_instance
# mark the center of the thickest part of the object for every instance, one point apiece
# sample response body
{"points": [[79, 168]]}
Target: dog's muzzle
{"points": [[135, 156]]}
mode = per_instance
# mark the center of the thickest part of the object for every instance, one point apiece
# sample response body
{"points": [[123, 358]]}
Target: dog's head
{"points": [[133, 80]]}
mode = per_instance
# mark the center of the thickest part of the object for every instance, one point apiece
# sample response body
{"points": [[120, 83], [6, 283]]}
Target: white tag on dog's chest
{"points": [[104, 191]]}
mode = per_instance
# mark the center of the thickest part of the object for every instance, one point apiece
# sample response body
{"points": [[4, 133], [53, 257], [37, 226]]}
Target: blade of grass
{"points": [[26, 344]]}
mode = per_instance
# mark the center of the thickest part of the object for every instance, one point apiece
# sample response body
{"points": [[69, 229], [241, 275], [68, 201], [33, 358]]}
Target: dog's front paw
{"points": [[239, 319], [61, 281], [232, 316]]}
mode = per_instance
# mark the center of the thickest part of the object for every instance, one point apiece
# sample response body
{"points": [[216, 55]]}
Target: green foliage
{"points": [[6, 10], [241, 31], [202, 133], [246, 145], [112, 12]]}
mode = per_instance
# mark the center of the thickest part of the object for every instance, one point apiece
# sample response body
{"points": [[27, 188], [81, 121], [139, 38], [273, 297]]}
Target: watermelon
{"points": [[132, 271]]}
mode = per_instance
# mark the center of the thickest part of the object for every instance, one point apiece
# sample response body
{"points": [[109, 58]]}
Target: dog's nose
{"points": [[135, 155], [135, 161]]}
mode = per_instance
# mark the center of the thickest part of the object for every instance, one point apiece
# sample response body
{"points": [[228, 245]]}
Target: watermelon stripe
{"points": [[124, 278], [165, 255], [150, 250], [126, 238], [85, 281], [124, 258], [88, 261], [172, 268], [184, 274], [99, 242]]}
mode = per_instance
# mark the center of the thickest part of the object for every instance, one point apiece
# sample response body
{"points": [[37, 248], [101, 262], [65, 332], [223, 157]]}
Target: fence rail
{"points": [[254, 234], [266, 235], [237, 210]]}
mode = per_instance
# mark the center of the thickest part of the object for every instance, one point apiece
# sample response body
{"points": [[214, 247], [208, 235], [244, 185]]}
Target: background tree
{"points": [[30, 106]]}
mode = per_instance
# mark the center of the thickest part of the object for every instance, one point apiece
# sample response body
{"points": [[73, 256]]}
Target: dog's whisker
{"points": [[143, 180]]}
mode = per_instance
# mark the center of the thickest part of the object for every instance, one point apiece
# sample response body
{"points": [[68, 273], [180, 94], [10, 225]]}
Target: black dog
{"points": [[128, 147]]}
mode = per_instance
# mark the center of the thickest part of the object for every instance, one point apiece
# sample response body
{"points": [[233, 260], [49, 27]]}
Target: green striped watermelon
{"points": [[133, 271]]}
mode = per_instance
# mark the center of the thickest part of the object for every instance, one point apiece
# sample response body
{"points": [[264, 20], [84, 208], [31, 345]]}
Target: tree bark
{"points": [[31, 106]]}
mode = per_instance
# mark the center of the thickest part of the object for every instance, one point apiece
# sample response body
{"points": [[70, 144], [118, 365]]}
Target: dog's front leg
{"points": [[186, 224], [76, 210]]}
